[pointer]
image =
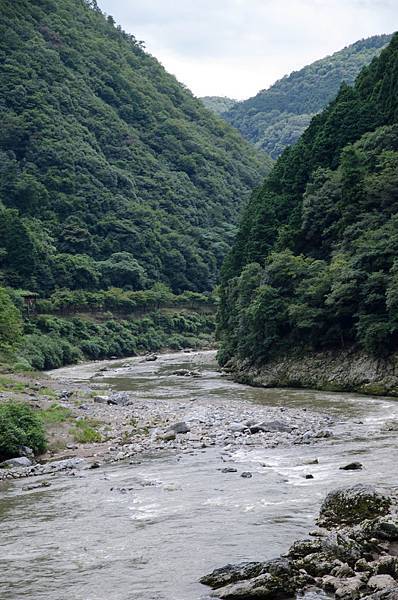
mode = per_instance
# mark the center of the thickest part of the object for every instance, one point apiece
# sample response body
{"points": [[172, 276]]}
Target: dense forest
{"points": [[315, 262], [114, 179], [218, 104], [112, 173], [275, 118]]}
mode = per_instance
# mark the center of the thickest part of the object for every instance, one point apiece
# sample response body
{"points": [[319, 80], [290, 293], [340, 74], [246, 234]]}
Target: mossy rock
{"points": [[352, 505]]}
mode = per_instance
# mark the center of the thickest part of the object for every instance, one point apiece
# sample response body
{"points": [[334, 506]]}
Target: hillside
{"points": [[314, 265], [218, 104], [275, 118], [112, 172]]}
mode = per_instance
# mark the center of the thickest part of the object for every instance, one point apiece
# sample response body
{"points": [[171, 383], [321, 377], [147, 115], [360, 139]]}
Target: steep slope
{"points": [[314, 265], [112, 173], [275, 118], [218, 104]]}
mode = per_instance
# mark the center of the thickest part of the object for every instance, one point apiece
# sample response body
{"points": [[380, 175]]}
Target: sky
{"points": [[235, 48]]}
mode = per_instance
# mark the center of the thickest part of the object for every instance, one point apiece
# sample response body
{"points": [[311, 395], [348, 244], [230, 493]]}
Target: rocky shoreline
{"points": [[352, 554], [131, 427], [343, 371]]}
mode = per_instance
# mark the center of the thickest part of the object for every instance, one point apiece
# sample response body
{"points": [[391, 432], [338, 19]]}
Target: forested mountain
{"points": [[218, 104], [112, 173], [275, 118], [315, 262]]}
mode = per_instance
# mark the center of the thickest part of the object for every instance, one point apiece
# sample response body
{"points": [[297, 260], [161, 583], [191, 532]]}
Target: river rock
{"points": [[350, 588], [354, 466], [270, 426], [378, 583], [120, 398], [232, 573], [391, 594], [237, 427], [350, 505], [20, 461], [181, 427], [278, 579], [304, 547], [151, 358], [385, 528], [102, 400], [168, 435], [26, 451]]}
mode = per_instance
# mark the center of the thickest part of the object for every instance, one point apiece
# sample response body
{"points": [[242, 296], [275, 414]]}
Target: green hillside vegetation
{"points": [[315, 262], [119, 192], [112, 173], [70, 326], [218, 104], [275, 118]]}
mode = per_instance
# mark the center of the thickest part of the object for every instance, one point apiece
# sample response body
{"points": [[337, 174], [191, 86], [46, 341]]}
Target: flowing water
{"points": [[149, 530]]}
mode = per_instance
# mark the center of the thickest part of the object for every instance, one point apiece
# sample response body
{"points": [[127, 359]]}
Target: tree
{"points": [[11, 324]]}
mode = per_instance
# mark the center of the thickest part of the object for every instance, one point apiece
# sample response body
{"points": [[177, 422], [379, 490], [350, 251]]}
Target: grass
{"points": [[7, 384], [84, 431], [55, 414]]}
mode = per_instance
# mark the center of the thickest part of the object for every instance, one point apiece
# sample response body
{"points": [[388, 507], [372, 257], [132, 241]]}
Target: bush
{"points": [[20, 426]]}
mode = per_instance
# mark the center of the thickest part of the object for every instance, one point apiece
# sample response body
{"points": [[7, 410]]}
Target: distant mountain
{"points": [[218, 104], [108, 164], [275, 118]]}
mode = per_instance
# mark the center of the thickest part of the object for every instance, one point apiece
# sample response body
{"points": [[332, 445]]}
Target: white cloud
{"points": [[236, 47]]}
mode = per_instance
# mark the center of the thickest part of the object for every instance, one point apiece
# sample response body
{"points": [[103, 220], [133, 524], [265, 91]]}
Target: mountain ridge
{"points": [[276, 117]]}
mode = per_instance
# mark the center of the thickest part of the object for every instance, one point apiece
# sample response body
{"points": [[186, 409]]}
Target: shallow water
{"points": [[148, 531]]}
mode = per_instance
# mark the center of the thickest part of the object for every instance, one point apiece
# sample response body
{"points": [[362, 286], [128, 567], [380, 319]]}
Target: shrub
{"points": [[20, 426]]}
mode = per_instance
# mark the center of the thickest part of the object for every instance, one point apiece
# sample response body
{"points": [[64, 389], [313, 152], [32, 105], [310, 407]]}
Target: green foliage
{"points": [[55, 414], [218, 104], [275, 118], [10, 323], [19, 426], [56, 341], [84, 432], [111, 172], [323, 234]]}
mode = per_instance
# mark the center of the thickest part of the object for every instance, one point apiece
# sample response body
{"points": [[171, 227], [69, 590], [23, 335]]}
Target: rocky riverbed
{"points": [[352, 554], [130, 425], [139, 516]]}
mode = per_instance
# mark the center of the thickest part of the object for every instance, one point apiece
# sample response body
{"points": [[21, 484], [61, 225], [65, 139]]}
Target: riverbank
{"points": [[150, 525], [343, 371], [90, 421], [352, 554]]}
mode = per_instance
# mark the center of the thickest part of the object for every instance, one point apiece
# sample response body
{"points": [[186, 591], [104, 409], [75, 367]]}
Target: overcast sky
{"points": [[237, 47]]}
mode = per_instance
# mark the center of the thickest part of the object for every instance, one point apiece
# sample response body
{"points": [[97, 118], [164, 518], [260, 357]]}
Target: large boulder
{"points": [[21, 461], [352, 505], [273, 579], [232, 573], [271, 427]]}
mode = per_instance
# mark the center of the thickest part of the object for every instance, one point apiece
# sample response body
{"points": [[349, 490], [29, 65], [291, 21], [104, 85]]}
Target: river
{"points": [[148, 529]]}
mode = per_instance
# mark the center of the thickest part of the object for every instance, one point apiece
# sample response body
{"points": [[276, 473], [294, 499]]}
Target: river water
{"points": [[149, 530]]}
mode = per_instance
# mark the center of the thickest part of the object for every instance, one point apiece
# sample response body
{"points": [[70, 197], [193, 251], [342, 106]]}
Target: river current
{"points": [[148, 529]]}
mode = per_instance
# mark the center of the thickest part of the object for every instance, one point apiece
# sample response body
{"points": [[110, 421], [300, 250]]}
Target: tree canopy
{"points": [[314, 265], [107, 162], [275, 118]]}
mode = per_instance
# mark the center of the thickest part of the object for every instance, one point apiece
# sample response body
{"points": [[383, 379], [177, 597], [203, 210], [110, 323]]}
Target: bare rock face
{"points": [[351, 505]]}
